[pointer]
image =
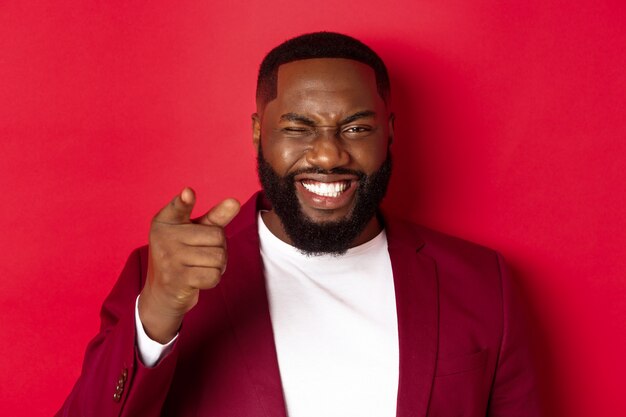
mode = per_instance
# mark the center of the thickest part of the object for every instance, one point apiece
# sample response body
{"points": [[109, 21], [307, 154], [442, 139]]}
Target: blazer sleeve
{"points": [[513, 392], [113, 381]]}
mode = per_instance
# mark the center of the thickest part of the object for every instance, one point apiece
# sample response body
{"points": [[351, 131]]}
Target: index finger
{"points": [[178, 210]]}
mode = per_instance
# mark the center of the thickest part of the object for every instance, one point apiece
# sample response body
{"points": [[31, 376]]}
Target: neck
{"points": [[273, 223]]}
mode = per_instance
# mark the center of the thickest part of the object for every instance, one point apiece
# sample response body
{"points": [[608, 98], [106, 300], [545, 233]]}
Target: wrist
{"points": [[160, 326]]}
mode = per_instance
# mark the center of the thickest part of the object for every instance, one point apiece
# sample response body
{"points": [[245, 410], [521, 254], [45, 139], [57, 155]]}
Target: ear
{"points": [[392, 121], [256, 130]]}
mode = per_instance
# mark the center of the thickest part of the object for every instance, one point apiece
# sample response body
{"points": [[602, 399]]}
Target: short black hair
{"points": [[318, 45]]}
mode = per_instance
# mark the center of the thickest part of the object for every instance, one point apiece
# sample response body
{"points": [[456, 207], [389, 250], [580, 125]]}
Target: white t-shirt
{"points": [[335, 328]]}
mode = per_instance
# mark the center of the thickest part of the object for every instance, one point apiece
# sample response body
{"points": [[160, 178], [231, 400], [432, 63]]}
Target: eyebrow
{"points": [[295, 117], [358, 115]]}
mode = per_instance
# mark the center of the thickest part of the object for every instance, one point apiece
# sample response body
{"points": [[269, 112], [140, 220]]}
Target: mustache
{"points": [[337, 171]]}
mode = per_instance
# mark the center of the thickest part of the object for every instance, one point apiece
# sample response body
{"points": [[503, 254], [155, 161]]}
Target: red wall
{"points": [[510, 132]]}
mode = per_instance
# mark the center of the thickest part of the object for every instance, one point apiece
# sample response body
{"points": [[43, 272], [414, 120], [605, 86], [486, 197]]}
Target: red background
{"points": [[510, 132]]}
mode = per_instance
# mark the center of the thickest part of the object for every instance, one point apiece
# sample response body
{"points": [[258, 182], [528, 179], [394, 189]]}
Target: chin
{"points": [[322, 216]]}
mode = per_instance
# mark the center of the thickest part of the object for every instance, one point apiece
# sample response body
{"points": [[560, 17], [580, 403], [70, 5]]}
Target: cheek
{"points": [[370, 156], [282, 155]]}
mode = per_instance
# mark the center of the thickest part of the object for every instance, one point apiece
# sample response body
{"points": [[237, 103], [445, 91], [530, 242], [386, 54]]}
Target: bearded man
{"points": [[327, 308]]}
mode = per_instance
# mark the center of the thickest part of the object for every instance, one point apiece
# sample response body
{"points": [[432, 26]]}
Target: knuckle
{"points": [[205, 279], [214, 278], [220, 256], [211, 278], [217, 234]]}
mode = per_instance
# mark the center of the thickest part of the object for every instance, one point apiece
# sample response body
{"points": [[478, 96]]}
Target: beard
{"points": [[331, 237]]}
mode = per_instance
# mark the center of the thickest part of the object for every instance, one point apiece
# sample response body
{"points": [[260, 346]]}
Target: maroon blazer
{"points": [[463, 350]]}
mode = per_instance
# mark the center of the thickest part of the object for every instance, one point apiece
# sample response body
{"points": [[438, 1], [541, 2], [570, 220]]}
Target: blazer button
{"points": [[119, 388]]}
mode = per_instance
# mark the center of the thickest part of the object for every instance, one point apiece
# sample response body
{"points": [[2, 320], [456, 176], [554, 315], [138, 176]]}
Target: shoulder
{"points": [[470, 274], [441, 247]]}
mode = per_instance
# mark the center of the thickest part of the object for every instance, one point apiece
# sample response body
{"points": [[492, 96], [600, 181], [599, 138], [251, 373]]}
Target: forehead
{"points": [[327, 81]]}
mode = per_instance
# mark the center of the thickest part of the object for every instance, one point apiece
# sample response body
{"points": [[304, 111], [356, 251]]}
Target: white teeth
{"points": [[326, 189]]}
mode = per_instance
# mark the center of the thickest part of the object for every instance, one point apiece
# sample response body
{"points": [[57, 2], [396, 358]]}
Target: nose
{"points": [[327, 151]]}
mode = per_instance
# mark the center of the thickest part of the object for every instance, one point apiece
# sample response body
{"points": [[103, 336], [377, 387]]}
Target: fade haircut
{"points": [[317, 45]]}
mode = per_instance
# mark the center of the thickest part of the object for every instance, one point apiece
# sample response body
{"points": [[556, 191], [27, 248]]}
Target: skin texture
{"points": [[327, 115]]}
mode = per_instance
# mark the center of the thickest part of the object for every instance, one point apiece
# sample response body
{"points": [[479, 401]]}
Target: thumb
{"points": [[179, 209], [221, 214]]}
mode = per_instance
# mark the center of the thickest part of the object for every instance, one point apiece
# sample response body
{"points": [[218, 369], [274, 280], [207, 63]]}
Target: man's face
{"points": [[323, 157]]}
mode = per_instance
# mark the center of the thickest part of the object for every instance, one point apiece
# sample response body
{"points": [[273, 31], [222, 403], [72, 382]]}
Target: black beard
{"points": [[333, 237]]}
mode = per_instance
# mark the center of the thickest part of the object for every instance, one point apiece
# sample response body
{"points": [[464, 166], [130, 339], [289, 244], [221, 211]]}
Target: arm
{"points": [[513, 393], [111, 357], [184, 257]]}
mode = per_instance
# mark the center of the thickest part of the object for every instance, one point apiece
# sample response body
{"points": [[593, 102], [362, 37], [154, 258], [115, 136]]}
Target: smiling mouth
{"points": [[326, 189]]}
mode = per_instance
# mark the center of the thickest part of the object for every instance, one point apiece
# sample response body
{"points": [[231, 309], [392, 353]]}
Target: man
{"points": [[327, 307]]}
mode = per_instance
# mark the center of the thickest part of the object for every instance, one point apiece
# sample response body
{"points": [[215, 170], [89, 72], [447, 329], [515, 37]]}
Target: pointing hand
{"points": [[185, 256]]}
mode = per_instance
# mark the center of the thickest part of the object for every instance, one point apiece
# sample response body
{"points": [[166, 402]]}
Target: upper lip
{"points": [[325, 177]]}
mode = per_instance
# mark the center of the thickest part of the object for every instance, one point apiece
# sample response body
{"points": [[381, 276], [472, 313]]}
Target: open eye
{"points": [[356, 131]]}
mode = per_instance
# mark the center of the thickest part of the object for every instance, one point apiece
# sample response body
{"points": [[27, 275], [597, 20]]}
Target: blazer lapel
{"points": [[416, 287], [245, 296]]}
